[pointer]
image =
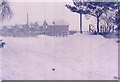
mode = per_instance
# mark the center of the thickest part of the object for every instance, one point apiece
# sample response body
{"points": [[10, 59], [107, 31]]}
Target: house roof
{"points": [[57, 22], [52, 22], [60, 22], [7, 27], [40, 23], [20, 25]]}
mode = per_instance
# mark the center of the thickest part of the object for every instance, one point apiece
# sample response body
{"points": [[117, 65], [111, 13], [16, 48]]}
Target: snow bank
{"points": [[0, 61], [77, 57]]}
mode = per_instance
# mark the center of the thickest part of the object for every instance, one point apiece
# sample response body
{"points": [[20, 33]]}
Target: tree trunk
{"points": [[98, 25], [80, 23], [119, 22]]}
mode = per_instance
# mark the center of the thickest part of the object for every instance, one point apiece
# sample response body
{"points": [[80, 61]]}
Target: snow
{"points": [[76, 57], [61, 22], [0, 64], [57, 22], [0, 61]]}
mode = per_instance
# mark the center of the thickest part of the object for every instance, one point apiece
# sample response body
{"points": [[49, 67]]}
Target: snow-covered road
{"points": [[78, 57], [0, 64]]}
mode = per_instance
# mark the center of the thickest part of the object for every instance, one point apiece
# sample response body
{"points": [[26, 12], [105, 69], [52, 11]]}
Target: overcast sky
{"points": [[40, 10]]}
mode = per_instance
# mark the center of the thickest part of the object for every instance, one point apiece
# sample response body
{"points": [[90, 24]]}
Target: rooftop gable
{"points": [[57, 22]]}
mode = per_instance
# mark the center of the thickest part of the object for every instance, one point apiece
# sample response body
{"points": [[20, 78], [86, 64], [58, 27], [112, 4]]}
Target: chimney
{"points": [[53, 22]]}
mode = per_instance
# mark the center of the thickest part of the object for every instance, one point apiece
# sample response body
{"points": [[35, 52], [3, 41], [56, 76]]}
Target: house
{"points": [[39, 28], [19, 30], [56, 28], [7, 30]]}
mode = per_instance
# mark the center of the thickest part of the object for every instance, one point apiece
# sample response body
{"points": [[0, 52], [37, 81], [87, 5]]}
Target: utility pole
{"points": [[27, 25], [27, 18]]}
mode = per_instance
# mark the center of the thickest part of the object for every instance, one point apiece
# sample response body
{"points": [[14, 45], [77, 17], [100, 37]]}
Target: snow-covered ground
{"points": [[76, 57], [0, 61], [0, 64]]}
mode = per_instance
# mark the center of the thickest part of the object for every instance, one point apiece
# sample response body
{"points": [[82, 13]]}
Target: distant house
{"points": [[4, 31], [19, 30], [7, 31], [0, 31], [39, 28], [56, 28], [33, 29]]}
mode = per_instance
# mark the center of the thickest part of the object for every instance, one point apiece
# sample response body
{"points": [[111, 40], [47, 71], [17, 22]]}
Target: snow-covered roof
{"points": [[60, 22], [57, 22], [49, 22], [7, 26], [40, 23], [20, 25]]}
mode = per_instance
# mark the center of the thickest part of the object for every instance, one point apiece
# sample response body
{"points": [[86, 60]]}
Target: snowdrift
{"points": [[76, 57]]}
